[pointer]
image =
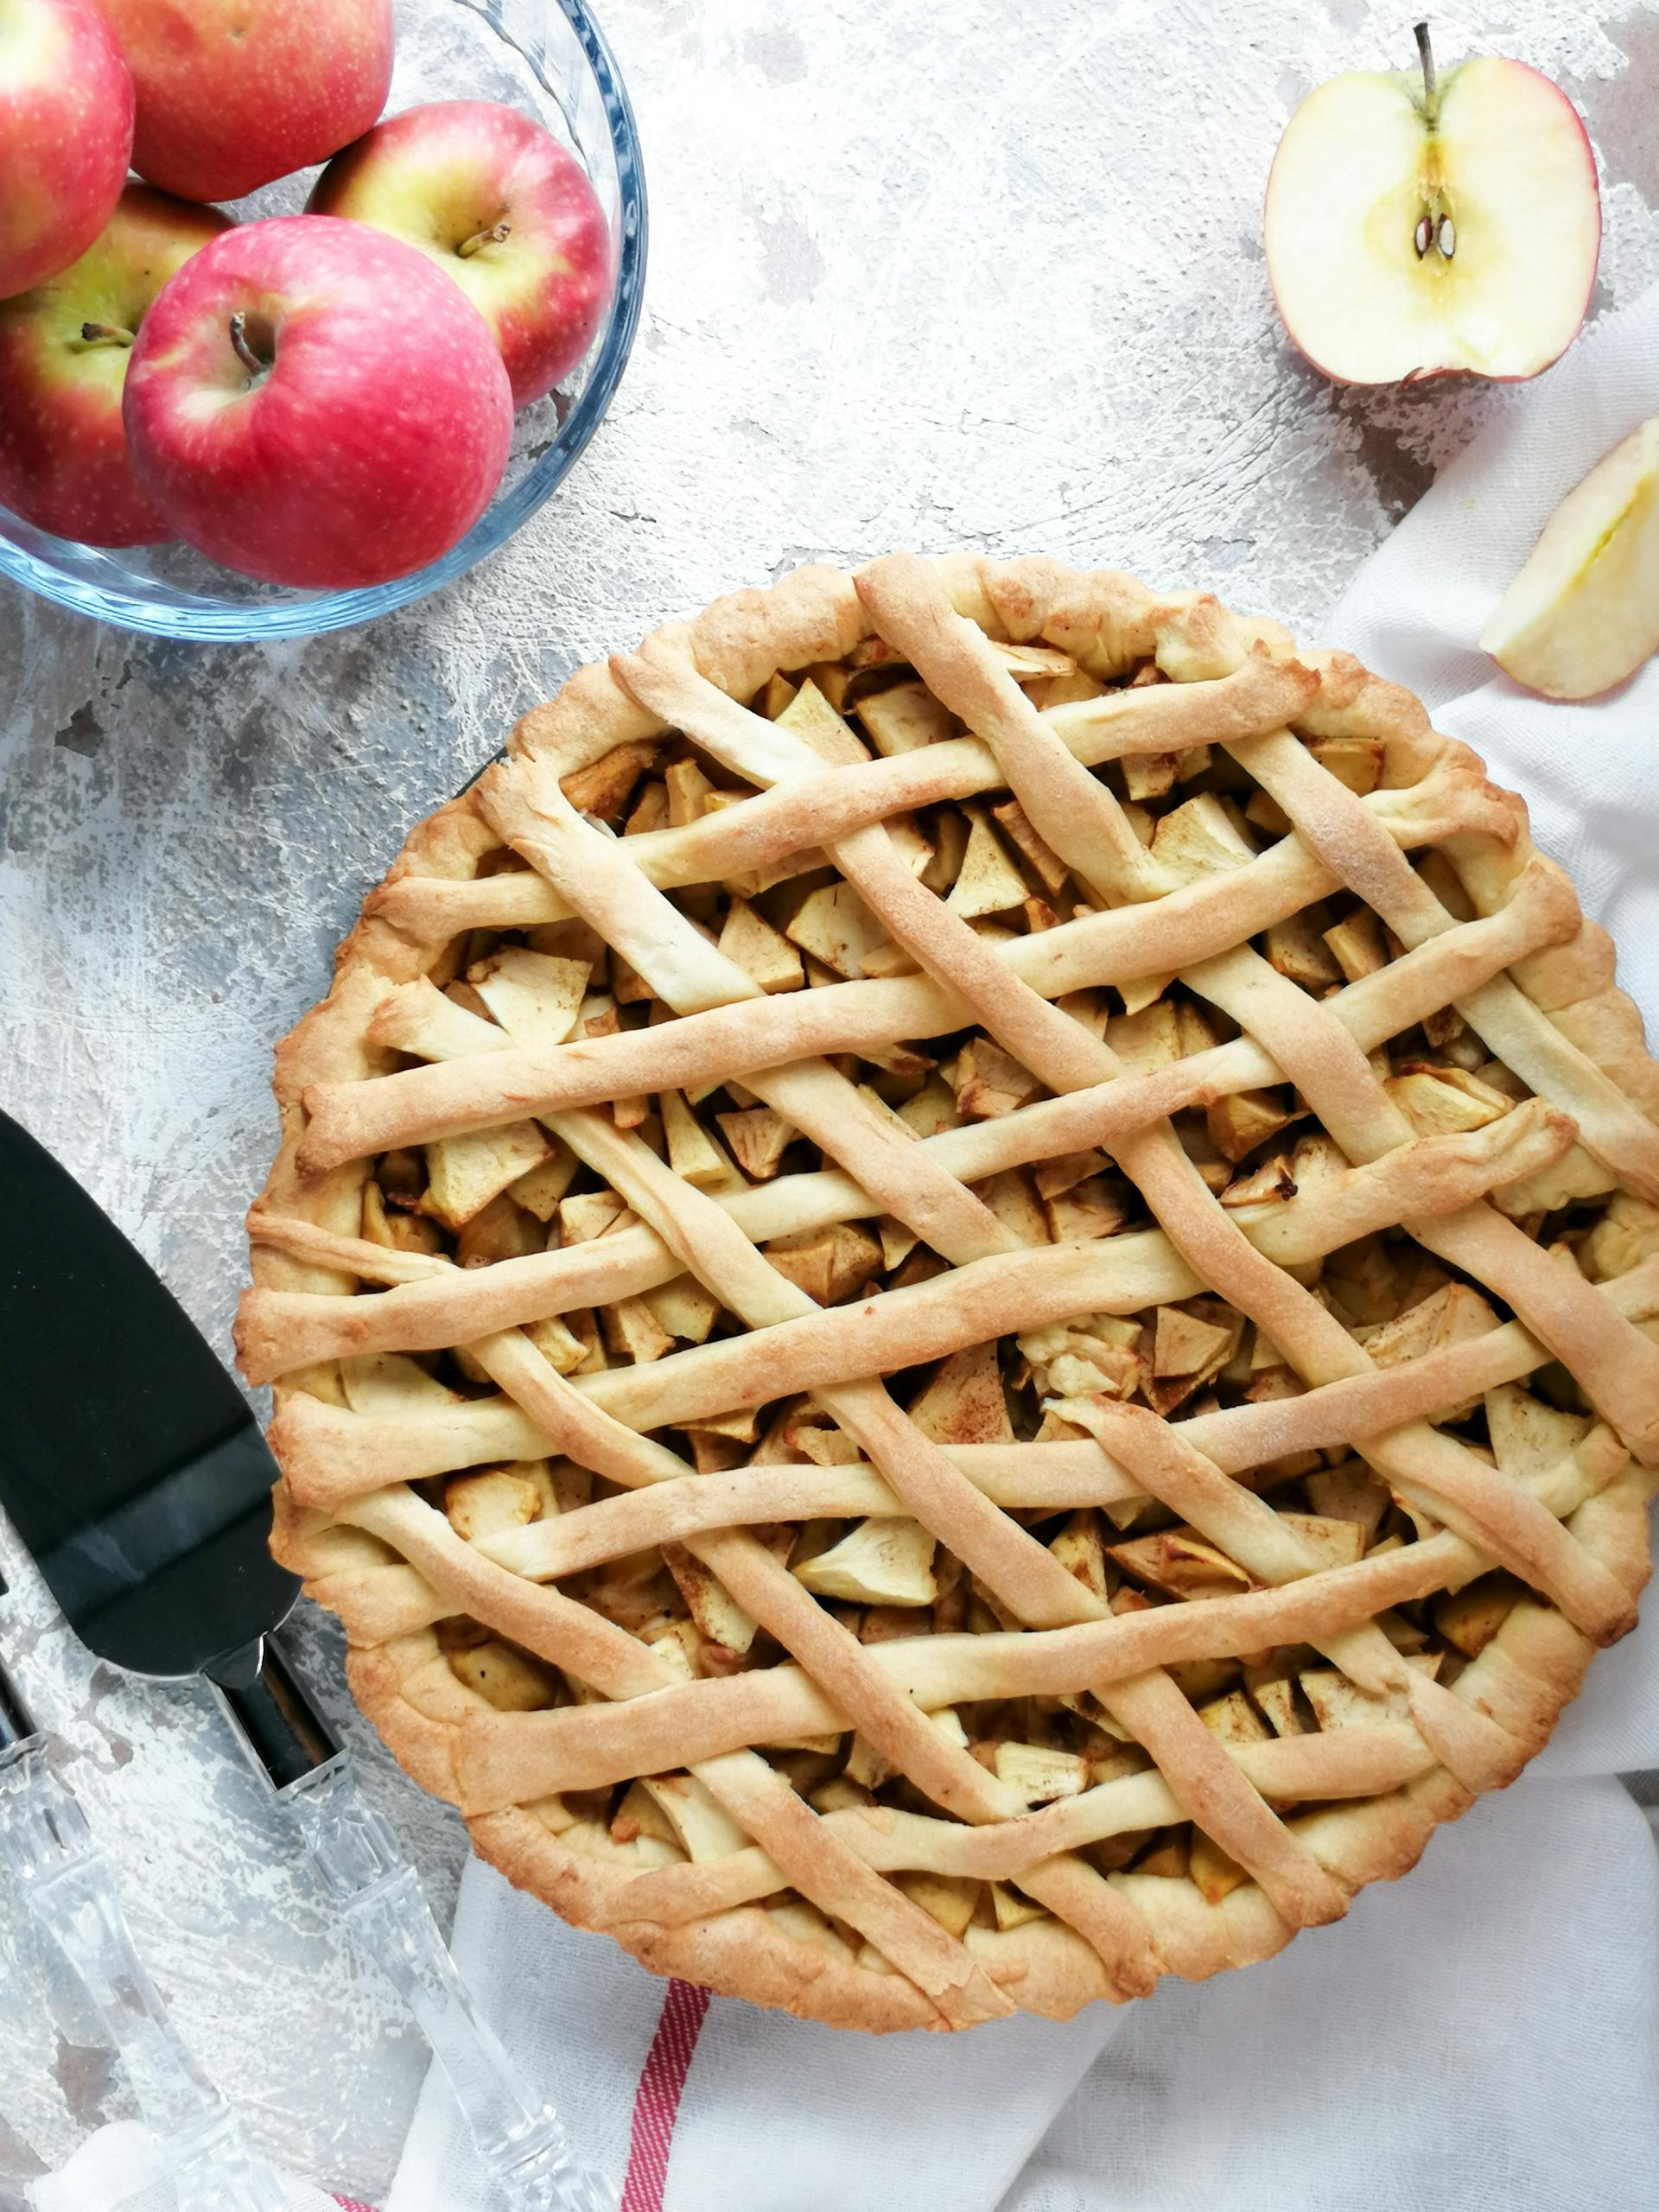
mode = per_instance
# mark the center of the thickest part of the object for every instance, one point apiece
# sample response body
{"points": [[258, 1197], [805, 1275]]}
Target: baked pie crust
{"points": [[940, 1373]]}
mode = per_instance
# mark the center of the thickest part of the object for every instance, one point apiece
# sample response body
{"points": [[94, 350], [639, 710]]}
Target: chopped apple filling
{"points": [[999, 1407]]}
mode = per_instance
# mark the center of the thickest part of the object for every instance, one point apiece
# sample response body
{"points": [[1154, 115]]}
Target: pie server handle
{"points": [[70, 1890], [523, 2143]]}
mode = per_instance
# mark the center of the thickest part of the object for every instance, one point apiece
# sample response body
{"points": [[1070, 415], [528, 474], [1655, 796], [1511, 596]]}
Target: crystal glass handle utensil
{"points": [[524, 2144], [521, 2142], [70, 1888]]}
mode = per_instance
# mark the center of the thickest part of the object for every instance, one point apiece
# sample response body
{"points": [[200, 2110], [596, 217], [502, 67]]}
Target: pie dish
{"points": [[942, 1373]]}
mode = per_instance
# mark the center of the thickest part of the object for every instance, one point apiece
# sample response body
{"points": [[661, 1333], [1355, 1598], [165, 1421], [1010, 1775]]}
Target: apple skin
{"points": [[370, 443], [66, 135], [64, 464], [1503, 127], [234, 94], [442, 175]]}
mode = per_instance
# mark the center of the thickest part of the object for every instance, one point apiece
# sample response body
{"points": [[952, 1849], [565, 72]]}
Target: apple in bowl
{"points": [[235, 93], [1429, 224], [66, 135], [64, 351], [314, 403], [493, 199]]}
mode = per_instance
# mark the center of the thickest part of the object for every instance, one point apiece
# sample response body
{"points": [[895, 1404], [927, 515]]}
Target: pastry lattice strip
{"points": [[1239, 698]]}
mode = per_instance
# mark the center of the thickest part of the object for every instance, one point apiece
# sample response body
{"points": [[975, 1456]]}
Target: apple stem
{"points": [[1426, 53], [105, 334], [244, 352], [493, 235]]}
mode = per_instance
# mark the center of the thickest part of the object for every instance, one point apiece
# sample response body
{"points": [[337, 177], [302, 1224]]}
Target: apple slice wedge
{"points": [[1584, 612]]}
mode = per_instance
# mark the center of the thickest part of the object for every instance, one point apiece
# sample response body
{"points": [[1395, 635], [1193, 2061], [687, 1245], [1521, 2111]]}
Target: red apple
{"points": [[63, 360], [494, 198], [1427, 225], [235, 93], [314, 403], [65, 134]]}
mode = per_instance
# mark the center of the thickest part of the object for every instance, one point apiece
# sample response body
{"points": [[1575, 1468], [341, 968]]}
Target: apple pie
{"points": [[961, 1291]]}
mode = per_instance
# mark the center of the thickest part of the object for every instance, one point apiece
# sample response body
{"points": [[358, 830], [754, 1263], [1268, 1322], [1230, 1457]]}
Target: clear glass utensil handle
{"points": [[524, 2144], [70, 1888]]}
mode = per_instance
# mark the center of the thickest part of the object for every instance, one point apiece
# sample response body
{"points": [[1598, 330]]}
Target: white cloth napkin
{"points": [[117, 2171], [1483, 2036]]}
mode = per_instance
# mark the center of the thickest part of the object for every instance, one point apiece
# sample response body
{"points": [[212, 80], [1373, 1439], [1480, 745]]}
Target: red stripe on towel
{"points": [[658, 2100]]}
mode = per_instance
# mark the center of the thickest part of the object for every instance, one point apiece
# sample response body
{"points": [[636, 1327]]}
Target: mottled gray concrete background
{"points": [[989, 274]]}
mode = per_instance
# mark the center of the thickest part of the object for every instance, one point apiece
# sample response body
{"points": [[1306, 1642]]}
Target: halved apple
{"points": [[1419, 225], [1584, 612]]}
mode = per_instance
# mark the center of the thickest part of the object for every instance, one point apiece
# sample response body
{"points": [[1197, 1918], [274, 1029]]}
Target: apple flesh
{"points": [[66, 135], [495, 200], [64, 350], [1419, 225], [234, 94], [1584, 613], [314, 403]]}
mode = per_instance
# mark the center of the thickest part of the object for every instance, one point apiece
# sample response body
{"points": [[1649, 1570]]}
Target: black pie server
{"points": [[134, 1472]]}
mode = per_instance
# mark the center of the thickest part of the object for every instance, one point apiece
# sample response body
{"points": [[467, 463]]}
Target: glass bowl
{"points": [[548, 58]]}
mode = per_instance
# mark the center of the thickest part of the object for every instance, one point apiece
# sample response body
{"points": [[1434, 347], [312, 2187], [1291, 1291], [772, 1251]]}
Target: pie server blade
{"points": [[134, 1472], [131, 1463]]}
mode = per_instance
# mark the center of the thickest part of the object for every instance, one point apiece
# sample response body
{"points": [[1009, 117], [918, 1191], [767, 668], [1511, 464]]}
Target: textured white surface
{"points": [[986, 275]]}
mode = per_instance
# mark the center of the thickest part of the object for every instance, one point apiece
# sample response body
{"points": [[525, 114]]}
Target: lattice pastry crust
{"points": [[939, 1373]]}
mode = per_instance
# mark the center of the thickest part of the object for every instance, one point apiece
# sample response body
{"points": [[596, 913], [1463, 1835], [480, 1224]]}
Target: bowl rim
{"points": [[206, 623]]}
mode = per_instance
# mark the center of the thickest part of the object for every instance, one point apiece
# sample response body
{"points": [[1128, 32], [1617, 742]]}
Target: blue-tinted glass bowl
{"points": [[548, 57]]}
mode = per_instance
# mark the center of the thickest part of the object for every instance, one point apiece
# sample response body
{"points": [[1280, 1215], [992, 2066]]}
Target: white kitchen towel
{"points": [[1485, 2035], [118, 2170]]}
